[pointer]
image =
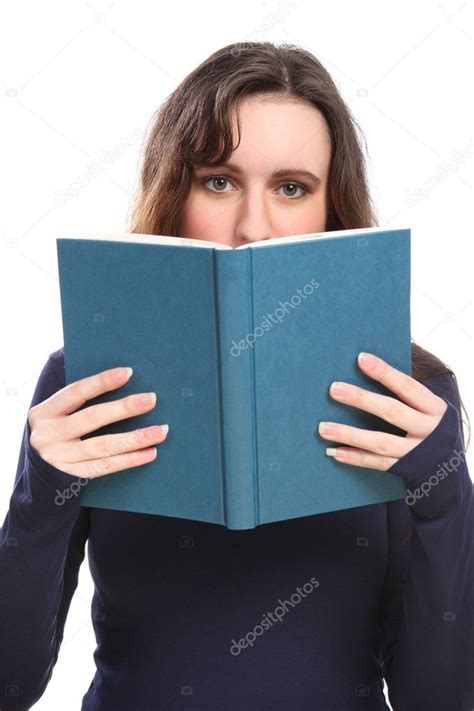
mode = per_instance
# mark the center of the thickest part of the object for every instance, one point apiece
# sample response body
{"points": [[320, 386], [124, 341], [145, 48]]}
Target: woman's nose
{"points": [[253, 221]]}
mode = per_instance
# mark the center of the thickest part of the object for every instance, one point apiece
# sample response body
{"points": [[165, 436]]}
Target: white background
{"points": [[79, 82]]}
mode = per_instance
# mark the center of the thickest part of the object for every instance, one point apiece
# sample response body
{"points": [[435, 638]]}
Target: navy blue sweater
{"points": [[308, 614]]}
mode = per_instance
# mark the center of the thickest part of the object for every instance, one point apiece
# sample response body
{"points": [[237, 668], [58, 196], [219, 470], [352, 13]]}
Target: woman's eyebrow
{"points": [[276, 174]]}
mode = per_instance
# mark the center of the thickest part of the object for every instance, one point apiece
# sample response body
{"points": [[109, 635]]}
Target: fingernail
{"points": [[338, 388], [366, 359], [331, 451], [148, 399], [327, 428], [164, 430], [120, 373]]}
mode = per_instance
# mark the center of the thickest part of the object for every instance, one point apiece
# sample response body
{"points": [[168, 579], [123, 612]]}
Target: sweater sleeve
{"points": [[42, 542], [428, 596]]}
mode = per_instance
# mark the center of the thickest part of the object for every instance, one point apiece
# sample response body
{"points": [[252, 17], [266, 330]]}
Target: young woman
{"points": [[255, 143]]}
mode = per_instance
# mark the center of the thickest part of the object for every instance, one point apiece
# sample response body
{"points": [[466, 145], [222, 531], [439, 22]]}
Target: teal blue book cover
{"points": [[240, 346]]}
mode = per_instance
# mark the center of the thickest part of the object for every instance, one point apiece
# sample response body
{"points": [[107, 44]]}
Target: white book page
{"points": [[147, 239], [191, 242], [312, 236]]}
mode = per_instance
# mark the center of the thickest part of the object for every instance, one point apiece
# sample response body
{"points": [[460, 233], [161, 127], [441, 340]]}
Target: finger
{"points": [[95, 416], [106, 445], [387, 445], [411, 391], [76, 394], [108, 465], [360, 458], [385, 407]]}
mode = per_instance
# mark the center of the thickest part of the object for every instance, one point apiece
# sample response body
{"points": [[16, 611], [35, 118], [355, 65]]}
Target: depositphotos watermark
{"points": [[97, 168], [443, 171], [270, 617], [267, 23], [272, 319], [441, 473], [96, 469]]}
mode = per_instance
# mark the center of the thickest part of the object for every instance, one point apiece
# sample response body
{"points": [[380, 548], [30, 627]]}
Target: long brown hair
{"points": [[193, 126]]}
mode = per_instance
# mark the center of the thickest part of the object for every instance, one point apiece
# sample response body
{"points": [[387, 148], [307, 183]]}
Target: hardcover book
{"points": [[240, 346]]}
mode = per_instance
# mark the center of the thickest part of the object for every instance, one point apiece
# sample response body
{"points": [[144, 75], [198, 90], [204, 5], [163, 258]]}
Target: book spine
{"points": [[234, 320]]}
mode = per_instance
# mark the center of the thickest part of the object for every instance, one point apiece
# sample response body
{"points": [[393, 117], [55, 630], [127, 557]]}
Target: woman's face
{"points": [[249, 202]]}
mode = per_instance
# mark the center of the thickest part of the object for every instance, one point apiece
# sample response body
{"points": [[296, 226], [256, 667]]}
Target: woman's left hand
{"points": [[418, 415]]}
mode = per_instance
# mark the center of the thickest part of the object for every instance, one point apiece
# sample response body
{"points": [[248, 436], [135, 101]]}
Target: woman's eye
{"points": [[298, 187], [219, 178], [216, 179]]}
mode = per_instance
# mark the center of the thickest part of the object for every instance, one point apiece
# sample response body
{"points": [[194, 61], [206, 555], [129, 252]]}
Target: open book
{"points": [[240, 346]]}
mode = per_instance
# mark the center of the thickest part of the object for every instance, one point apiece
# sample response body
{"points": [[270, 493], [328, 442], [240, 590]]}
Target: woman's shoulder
{"points": [[56, 361]]}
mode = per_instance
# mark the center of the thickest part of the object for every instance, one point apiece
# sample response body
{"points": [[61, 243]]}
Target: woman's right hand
{"points": [[56, 428]]}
